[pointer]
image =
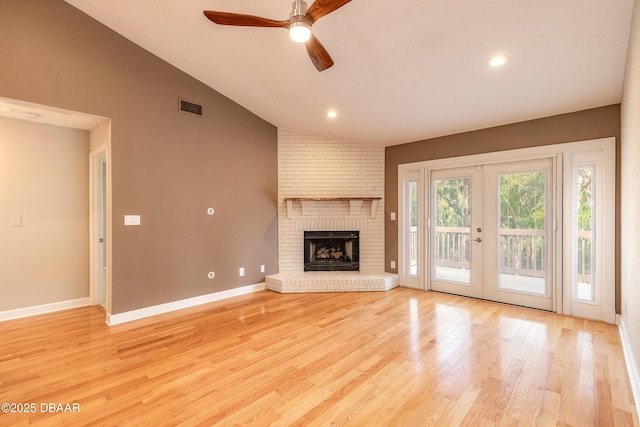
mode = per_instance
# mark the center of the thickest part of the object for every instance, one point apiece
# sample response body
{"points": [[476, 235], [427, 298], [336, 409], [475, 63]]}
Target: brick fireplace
{"points": [[346, 181]]}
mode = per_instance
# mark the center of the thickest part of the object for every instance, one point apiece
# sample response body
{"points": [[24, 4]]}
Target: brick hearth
{"points": [[331, 282]]}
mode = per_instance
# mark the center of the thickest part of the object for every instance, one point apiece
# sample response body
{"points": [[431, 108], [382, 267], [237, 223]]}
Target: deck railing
{"points": [[522, 251]]}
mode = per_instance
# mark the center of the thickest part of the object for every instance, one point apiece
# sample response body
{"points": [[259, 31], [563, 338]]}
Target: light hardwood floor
{"points": [[403, 357]]}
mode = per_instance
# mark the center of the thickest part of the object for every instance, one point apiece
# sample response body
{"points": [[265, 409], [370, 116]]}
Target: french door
{"points": [[533, 227], [456, 241], [490, 232]]}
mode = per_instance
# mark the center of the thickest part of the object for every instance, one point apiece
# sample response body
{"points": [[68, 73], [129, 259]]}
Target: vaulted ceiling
{"points": [[404, 71]]}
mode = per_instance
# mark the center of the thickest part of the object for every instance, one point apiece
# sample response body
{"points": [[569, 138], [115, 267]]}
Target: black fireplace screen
{"points": [[331, 251]]}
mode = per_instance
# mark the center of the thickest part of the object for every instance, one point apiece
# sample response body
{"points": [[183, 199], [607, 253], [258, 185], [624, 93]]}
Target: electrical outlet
{"points": [[261, 268], [393, 264], [241, 271], [393, 216]]}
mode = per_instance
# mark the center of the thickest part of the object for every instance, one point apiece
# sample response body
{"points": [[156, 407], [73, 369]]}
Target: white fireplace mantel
{"points": [[308, 204]]}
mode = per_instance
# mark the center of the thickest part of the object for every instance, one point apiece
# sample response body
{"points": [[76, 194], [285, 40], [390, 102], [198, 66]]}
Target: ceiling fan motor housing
{"points": [[298, 8]]}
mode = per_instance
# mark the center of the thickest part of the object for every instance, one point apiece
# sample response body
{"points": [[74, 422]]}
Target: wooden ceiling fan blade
{"points": [[318, 54], [321, 8], [241, 20]]}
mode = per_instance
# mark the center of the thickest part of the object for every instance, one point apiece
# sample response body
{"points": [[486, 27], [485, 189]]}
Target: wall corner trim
{"points": [[42, 309], [141, 313], [632, 368]]}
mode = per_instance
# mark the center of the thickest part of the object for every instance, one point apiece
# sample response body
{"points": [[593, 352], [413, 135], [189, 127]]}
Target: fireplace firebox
{"points": [[331, 251]]}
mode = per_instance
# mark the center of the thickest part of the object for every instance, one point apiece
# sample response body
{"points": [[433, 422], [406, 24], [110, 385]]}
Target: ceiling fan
{"points": [[299, 25]]}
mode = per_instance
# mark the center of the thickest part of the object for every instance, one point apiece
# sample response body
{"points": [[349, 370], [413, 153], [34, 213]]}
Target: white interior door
{"points": [[98, 244], [102, 240]]}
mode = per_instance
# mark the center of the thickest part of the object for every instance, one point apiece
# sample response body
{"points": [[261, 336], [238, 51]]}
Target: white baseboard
{"points": [[42, 309], [632, 368], [141, 313]]}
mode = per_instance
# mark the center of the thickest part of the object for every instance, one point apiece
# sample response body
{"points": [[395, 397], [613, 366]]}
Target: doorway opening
{"points": [[98, 291]]}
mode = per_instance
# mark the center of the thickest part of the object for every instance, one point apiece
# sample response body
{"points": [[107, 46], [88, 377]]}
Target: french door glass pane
{"points": [[585, 191], [453, 230], [413, 228], [522, 249]]}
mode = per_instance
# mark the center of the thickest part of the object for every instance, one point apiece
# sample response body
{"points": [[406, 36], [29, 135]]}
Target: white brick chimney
{"points": [[314, 166]]}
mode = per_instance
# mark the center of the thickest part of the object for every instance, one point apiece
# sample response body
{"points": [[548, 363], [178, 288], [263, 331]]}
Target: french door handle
{"points": [[477, 240]]}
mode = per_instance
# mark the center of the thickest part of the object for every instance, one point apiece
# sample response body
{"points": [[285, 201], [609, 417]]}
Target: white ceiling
{"points": [[404, 71]]}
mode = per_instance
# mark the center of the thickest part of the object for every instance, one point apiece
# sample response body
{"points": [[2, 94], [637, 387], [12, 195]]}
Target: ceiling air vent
{"points": [[190, 107]]}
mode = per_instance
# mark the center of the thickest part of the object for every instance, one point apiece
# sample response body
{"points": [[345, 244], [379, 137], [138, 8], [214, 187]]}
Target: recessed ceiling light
{"points": [[332, 114], [30, 115], [497, 61]]}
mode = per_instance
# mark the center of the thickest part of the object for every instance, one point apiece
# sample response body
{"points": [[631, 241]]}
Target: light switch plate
{"points": [[16, 220], [132, 220], [393, 216], [242, 271]]}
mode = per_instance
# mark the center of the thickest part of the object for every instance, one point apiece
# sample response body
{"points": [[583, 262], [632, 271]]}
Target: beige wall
{"points": [[579, 126], [44, 178], [167, 166], [630, 217]]}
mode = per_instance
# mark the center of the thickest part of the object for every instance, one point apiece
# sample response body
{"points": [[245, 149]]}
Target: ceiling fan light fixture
{"points": [[300, 32], [497, 61]]}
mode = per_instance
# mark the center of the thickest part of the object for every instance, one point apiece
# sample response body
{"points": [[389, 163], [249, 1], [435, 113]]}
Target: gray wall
{"points": [[167, 166], [583, 125]]}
